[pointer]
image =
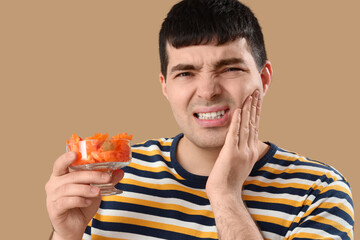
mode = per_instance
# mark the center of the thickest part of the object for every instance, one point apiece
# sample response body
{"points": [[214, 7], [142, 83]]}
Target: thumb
{"points": [[117, 175]]}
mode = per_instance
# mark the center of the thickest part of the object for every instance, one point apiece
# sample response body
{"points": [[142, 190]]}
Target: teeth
{"points": [[211, 115]]}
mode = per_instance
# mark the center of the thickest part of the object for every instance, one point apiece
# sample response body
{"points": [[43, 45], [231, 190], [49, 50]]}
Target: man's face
{"points": [[206, 83]]}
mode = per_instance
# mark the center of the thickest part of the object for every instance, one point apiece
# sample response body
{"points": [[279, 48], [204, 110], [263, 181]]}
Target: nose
{"points": [[208, 88]]}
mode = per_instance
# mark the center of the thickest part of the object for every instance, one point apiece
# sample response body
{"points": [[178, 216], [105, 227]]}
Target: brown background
{"points": [[92, 66]]}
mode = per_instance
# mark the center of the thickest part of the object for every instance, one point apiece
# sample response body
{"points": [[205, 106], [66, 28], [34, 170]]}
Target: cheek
{"points": [[178, 98], [241, 92]]}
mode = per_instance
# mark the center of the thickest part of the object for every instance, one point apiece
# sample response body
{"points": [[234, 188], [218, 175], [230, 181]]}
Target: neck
{"points": [[194, 159], [200, 161]]}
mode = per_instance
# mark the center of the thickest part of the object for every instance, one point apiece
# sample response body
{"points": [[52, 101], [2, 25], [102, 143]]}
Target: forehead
{"points": [[209, 53]]}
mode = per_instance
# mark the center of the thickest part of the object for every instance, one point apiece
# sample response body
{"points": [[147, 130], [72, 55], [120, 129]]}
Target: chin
{"points": [[207, 141]]}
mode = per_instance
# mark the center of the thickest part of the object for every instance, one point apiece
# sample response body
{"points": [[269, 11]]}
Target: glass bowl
{"points": [[101, 155]]}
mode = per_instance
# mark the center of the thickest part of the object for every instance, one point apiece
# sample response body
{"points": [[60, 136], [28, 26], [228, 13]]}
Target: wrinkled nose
{"points": [[208, 88]]}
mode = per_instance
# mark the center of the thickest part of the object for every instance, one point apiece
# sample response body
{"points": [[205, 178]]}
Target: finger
{"points": [[77, 190], [232, 137], [252, 123], [67, 203], [85, 177], [61, 165], [257, 121], [245, 122]]}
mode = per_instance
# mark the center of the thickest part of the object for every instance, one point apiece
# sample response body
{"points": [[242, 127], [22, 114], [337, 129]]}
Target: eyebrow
{"points": [[228, 61], [183, 67]]}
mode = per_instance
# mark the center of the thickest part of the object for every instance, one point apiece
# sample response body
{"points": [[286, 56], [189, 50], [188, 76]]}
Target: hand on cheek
{"points": [[239, 152]]}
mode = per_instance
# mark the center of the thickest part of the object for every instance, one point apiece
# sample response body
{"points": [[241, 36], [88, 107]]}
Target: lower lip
{"points": [[220, 122]]}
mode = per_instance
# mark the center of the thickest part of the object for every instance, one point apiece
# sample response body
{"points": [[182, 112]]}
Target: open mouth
{"points": [[210, 115]]}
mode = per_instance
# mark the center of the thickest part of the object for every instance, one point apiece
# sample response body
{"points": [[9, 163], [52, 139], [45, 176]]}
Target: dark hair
{"points": [[197, 22]]}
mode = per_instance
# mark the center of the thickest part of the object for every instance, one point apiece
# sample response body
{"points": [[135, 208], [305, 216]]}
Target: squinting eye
{"points": [[183, 74], [232, 69]]}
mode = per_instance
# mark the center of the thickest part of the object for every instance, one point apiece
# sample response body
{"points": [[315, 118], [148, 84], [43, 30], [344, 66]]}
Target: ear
{"points": [[163, 84], [266, 76]]}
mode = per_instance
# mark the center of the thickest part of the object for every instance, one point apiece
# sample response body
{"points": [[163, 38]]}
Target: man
{"points": [[216, 179]]}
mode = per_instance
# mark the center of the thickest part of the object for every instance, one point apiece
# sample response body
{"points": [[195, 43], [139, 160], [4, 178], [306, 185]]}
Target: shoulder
{"points": [[293, 162], [303, 176], [154, 149], [327, 194], [162, 144]]}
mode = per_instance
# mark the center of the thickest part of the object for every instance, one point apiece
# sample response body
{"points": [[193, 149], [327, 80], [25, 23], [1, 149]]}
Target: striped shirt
{"points": [[289, 196]]}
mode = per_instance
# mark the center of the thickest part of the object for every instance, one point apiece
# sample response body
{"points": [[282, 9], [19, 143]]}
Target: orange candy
{"points": [[74, 139], [98, 136], [123, 136], [116, 149]]}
